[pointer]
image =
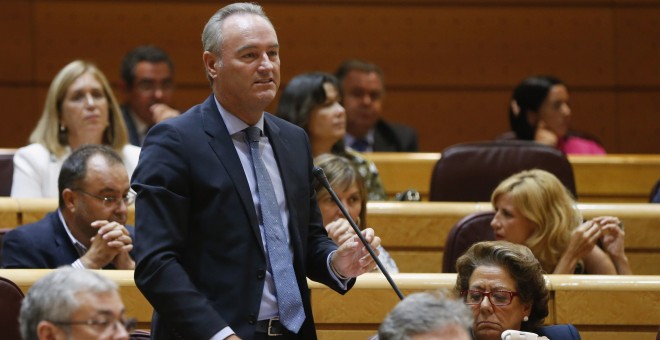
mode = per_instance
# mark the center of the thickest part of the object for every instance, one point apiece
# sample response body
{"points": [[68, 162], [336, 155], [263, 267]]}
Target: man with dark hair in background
{"points": [[362, 89], [147, 74]]}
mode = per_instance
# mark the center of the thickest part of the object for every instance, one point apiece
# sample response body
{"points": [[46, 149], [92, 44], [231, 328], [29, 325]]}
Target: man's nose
{"points": [[266, 64]]}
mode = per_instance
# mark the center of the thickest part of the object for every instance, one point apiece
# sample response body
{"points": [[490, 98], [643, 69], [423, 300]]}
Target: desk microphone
{"points": [[320, 176]]}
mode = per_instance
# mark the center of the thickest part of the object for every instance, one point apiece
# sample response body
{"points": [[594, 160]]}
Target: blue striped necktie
{"points": [[289, 302]]}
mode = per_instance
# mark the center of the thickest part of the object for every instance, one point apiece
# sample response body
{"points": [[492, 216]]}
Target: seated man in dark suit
{"points": [[87, 231], [362, 90], [147, 75]]}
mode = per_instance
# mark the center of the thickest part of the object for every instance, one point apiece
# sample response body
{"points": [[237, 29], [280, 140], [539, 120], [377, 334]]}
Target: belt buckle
{"points": [[270, 326]]}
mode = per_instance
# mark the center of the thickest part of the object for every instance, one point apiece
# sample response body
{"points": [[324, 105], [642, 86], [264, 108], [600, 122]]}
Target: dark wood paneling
{"points": [[15, 42], [20, 113], [637, 44], [450, 65]]}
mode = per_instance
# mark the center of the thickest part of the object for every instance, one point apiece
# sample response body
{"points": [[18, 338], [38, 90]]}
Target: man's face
{"points": [[102, 180], [99, 316], [363, 101], [248, 70], [153, 84]]}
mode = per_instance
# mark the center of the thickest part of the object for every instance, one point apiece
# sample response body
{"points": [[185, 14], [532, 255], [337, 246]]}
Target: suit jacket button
{"points": [[252, 319], [261, 274]]}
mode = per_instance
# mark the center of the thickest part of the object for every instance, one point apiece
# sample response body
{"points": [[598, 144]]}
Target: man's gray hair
{"points": [[212, 35], [424, 312], [53, 297]]}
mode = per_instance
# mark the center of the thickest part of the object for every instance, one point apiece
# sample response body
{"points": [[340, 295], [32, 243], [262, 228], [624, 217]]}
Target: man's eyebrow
{"points": [[249, 47], [105, 312]]}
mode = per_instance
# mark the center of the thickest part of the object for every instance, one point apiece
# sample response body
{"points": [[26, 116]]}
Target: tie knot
{"points": [[253, 134]]}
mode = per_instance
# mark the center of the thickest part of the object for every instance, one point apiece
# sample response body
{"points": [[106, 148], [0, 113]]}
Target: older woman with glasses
{"points": [[80, 109], [503, 283]]}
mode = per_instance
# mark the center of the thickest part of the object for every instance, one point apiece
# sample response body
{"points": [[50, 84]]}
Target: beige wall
{"points": [[450, 65]]}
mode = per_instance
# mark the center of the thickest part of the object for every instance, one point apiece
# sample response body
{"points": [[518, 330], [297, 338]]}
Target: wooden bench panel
{"points": [[602, 307], [9, 213], [414, 233], [136, 304], [610, 178]]}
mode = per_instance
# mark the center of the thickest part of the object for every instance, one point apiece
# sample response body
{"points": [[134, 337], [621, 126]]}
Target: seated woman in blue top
{"points": [[311, 101], [503, 283], [539, 111]]}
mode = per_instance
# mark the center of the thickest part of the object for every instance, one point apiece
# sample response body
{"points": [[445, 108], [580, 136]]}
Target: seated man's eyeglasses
{"points": [[496, 297], [110, 201], [103, 326]]}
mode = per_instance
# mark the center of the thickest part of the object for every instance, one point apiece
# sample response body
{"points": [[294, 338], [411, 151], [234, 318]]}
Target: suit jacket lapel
{"points": [[66, 251], [224, 149]]}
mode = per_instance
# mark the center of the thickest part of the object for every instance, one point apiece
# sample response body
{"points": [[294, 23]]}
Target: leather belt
{"points": [[272, 327]]}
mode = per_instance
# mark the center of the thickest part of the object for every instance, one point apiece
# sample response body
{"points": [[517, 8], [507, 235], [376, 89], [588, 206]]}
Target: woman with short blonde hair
{"points": [[535, 209]]}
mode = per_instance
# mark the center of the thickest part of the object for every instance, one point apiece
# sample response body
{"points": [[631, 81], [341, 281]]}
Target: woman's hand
{"points": [[340, 231], [582, 242], [584, 239], [544, 136], [613, 242]]}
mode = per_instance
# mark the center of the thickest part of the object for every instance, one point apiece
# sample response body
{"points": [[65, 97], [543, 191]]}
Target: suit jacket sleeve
{"points": [[30, 163], [162, 217], [19, 252]]}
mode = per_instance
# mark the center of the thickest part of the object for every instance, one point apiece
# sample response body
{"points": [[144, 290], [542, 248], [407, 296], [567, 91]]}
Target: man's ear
{"points": [[210, 61], [46, 330], [69, 197]]}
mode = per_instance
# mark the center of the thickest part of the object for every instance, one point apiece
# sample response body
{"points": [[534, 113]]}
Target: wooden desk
{"points": [[610, 178], [602, 307], [136, 304], [414, 233]]}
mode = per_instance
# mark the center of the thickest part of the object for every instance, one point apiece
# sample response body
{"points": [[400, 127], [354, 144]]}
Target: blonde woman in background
{"points": [[535, 209], [349, 186], [80, 109]]}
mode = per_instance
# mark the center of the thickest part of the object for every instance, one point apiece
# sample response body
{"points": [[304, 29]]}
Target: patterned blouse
{"points": [[369, 173]]}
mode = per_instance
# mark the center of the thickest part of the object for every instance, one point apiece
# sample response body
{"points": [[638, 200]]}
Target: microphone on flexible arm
{"points": [[320, 176]]}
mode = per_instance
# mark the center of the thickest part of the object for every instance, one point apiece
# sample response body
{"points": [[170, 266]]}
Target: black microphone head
{"points": [[320, 176], [317, 171]]}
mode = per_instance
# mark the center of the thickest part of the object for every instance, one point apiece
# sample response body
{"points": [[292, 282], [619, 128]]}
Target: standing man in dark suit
{"points": [[216, 184], [362, 89], [147, 74], [87, 231]]}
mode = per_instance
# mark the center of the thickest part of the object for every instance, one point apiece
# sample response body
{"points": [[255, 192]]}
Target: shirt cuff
{"points": [[223, 334], [343, 283], [78, 264]]}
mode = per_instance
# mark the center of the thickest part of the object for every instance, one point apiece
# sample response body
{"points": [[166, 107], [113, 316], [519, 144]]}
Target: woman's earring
{"points": [[526, 318]]}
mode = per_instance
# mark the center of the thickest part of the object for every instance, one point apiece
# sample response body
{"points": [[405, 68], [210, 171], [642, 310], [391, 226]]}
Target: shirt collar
{"points": [[79, 246], [140, 125], [369, 138], [233, 123]]}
